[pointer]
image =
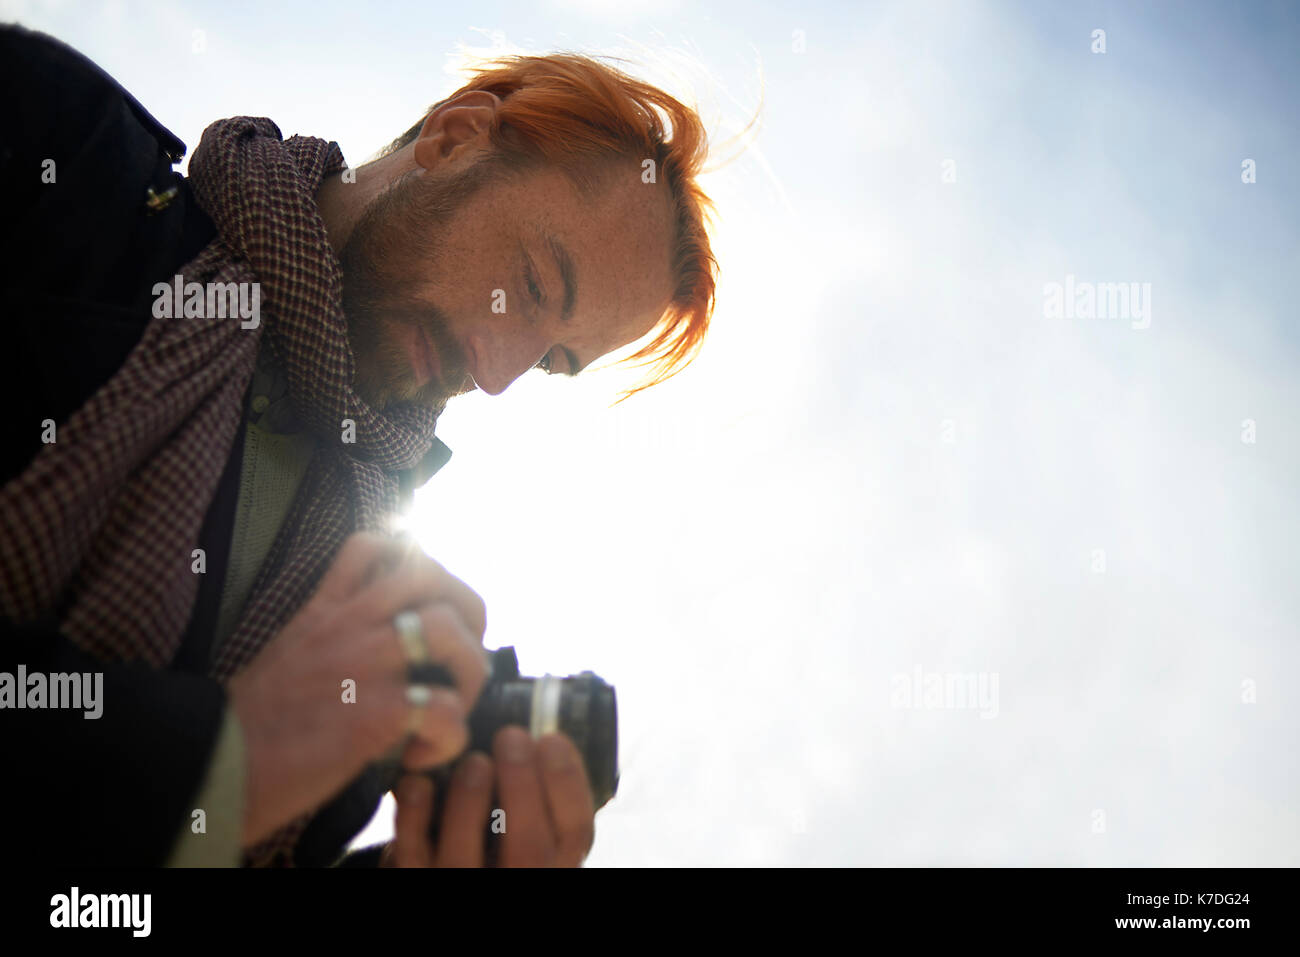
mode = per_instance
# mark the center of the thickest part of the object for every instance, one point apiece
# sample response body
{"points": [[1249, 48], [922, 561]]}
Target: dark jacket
{"points": [[78, 260]]}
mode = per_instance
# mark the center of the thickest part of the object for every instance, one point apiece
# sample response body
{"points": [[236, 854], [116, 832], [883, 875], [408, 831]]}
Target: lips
{"points": [[440, 360], [424, 358], [435, 361]]}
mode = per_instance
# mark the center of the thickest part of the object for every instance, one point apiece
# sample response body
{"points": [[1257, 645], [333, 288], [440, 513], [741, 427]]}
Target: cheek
{"points": [[473, 279]]}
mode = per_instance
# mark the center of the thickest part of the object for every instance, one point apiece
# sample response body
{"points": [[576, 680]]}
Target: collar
{"points": [[409, 480], [168, 142], [437, 456]]}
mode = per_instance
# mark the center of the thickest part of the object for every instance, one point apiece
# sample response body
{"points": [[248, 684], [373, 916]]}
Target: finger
{"points": [[439, 724], [568, 796], [419, 580], [355, 564], [528, 841], [453, 646], [465, 817], [439, 731], [411, 846], [447, 642]]}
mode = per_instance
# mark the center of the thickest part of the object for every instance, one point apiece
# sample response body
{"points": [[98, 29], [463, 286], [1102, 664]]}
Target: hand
{"points": [[303, 742], [543, 791]]}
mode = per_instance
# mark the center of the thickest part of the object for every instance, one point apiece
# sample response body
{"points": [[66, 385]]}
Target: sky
{"points": [[907, 569]]}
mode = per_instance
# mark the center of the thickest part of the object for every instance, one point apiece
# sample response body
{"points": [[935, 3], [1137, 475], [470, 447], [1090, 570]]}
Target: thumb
{"points": [[411, 846]]}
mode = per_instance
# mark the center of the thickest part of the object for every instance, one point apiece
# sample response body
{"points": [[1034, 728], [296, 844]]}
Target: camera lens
{"points": [[581, 706]]}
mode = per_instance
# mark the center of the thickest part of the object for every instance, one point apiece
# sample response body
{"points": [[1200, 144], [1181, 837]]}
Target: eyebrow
{"points": [[569, 276]]}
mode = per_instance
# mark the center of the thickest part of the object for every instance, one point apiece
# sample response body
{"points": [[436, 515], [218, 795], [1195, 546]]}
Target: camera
{"points": [[581, 706]]}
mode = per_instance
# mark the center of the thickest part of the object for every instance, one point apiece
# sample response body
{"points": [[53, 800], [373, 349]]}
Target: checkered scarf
{"points": [[99, 530]]}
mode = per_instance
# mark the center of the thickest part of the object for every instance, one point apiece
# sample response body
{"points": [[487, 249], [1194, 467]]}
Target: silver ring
{"points": [[419, 696], [411, 633]]}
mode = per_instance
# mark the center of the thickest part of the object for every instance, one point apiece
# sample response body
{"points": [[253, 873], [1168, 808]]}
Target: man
{"points": [[219, 391]]}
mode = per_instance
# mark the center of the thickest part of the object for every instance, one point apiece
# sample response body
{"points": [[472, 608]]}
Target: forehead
{"points": [[619, 236]]}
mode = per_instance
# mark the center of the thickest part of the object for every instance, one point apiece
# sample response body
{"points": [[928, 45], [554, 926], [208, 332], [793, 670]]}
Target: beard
{"points": [[397, 238]]}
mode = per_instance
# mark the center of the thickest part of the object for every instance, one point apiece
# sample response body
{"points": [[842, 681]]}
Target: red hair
{"points": [[573, 111]]}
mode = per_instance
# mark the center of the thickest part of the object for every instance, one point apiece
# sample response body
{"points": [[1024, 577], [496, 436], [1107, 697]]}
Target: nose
{"points": [[502, 353]]}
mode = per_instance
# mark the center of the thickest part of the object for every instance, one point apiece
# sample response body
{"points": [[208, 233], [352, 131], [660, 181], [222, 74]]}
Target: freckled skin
{"points": [[425, 241]]}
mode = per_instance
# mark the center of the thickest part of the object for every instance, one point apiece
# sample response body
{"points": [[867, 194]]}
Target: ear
{"points": [[456, 128]]}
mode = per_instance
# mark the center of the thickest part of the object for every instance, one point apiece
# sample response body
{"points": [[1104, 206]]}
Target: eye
{"points": [[545, 363]]}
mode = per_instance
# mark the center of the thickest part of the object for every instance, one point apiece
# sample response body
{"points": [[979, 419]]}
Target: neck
{"points": [[344, 196]]}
